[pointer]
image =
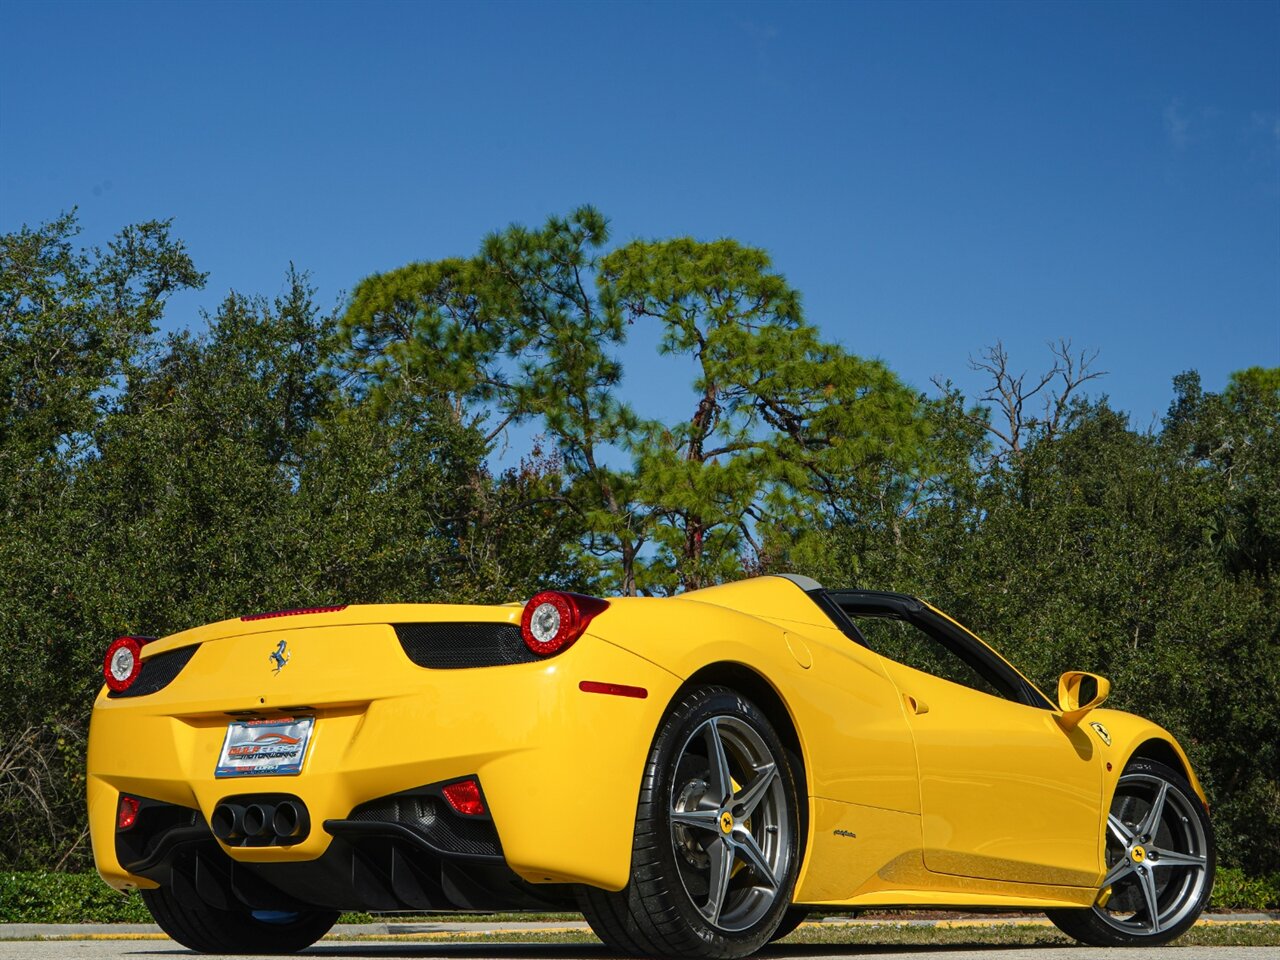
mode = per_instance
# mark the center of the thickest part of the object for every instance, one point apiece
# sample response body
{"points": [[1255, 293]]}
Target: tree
{"points": [[1015, 400], [541, 282], [777, 413], [1101, 550], [523, 331], [511, 334], [71, 320], [425, 329]]}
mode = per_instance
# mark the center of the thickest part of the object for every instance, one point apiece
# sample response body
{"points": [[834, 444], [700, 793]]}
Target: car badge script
{"points": [[280, 656]]}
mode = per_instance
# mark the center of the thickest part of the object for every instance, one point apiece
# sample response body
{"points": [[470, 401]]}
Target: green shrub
{"points": [[84, 898], [66, 898], [1235, 890]]}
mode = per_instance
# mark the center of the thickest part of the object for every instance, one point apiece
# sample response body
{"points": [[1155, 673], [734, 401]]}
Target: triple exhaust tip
{"points": [[282, 822]]}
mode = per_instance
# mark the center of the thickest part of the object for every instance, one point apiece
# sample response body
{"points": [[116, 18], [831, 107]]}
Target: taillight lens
{"points": [[464, 796], [127, 814], [553, 620], [122, 662]]}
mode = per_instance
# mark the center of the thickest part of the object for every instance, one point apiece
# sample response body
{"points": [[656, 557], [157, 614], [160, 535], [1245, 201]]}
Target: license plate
{"points": [[265, 747]]}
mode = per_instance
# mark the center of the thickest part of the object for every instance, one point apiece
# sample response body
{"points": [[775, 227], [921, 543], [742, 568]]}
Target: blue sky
{"points": [[932, 177]]}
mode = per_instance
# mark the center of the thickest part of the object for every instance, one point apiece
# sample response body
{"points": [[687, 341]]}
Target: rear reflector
{"points": [[615, 689], [294, 613], [127, 815], [464, 796]]}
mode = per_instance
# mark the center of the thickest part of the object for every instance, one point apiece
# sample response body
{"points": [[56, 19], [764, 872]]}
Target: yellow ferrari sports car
{"points": [[694, 773]]}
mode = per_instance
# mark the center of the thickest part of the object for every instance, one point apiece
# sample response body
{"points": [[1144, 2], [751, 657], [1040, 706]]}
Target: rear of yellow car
{"points": [[276, 769]]}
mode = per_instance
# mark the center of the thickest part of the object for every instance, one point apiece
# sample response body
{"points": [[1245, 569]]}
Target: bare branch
{"points": [[1011, 393], [1073, 369]]}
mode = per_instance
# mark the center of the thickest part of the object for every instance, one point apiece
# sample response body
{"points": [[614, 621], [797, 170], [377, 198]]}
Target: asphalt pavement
{"points": [[146, 942], [374, 950]]}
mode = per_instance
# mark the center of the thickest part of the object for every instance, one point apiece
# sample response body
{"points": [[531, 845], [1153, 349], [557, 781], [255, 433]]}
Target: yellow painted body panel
{"points": [[977, 802], [384, 725], [1128, 732], [1006, 793]]}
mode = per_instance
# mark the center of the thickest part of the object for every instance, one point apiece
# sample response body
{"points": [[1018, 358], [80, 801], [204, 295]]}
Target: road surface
{"points": [[391, 950]]}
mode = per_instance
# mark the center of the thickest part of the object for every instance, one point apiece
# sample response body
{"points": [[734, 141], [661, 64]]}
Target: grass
{"points": [[895, 934]]}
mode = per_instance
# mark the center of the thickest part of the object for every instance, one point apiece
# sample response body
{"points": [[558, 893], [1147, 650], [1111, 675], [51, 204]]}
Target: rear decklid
{"points": [[315, 657]]}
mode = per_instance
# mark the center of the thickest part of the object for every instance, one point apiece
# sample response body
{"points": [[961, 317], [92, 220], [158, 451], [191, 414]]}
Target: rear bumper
{"points": [[403, 852], [560, 768]]}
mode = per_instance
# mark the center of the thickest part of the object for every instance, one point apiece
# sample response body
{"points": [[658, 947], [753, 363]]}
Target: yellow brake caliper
{"points": [[738, 864]]}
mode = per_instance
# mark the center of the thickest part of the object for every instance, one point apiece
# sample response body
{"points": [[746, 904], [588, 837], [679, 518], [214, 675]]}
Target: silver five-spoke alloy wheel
{"points": [[717, 838], [1159, 865], [729, 824], [1157, 857]]}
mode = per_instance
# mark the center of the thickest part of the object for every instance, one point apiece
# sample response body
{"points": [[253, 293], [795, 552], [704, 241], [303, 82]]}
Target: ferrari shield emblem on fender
{"points": [[1102, 732], [280, 656]]}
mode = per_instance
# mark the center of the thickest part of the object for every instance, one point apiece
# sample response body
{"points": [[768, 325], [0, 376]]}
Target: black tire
{"points": [[202, 928], [791, 920], [1140, 867], [686, 822]]}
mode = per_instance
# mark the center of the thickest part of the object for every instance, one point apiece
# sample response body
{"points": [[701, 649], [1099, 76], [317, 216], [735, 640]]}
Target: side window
{"points": [[909, 645]]}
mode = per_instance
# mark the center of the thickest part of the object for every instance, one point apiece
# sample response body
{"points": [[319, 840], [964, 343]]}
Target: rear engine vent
{"points": [[453, 646], [158, 672]]}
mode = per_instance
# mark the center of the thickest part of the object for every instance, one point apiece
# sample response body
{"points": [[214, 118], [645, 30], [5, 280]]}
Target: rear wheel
{"points": [[715, 856], [202, 928], [1160, 863]]}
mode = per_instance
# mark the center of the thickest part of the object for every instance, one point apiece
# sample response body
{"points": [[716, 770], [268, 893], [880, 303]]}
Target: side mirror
{"points": [[1078, 693]]}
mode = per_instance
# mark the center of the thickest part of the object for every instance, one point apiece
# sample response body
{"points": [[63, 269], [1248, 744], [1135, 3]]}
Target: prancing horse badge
{"points": [[281, 656]]}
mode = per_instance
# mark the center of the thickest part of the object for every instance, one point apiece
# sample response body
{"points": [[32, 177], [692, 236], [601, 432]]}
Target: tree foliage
{"points": [[282, 454], [776, 412], [527, 330]]}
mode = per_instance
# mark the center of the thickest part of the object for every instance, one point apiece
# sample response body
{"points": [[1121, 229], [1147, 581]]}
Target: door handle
{"points": [[917, 706]]}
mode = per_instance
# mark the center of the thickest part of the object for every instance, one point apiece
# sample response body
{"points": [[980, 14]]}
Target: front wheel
{"points": [[1160, 863], [205, 929], [715, 856]]}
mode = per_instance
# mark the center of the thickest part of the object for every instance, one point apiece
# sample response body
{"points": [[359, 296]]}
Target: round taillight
{"points": [[122, 663], [553, 620]]}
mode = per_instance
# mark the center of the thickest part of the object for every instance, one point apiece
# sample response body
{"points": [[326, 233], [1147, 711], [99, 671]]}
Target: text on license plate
{"points": [[265, 747]]}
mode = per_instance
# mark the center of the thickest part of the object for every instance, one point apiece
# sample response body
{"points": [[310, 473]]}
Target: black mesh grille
{"points": [[158, 672], [430, 817], [452, 646]]}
